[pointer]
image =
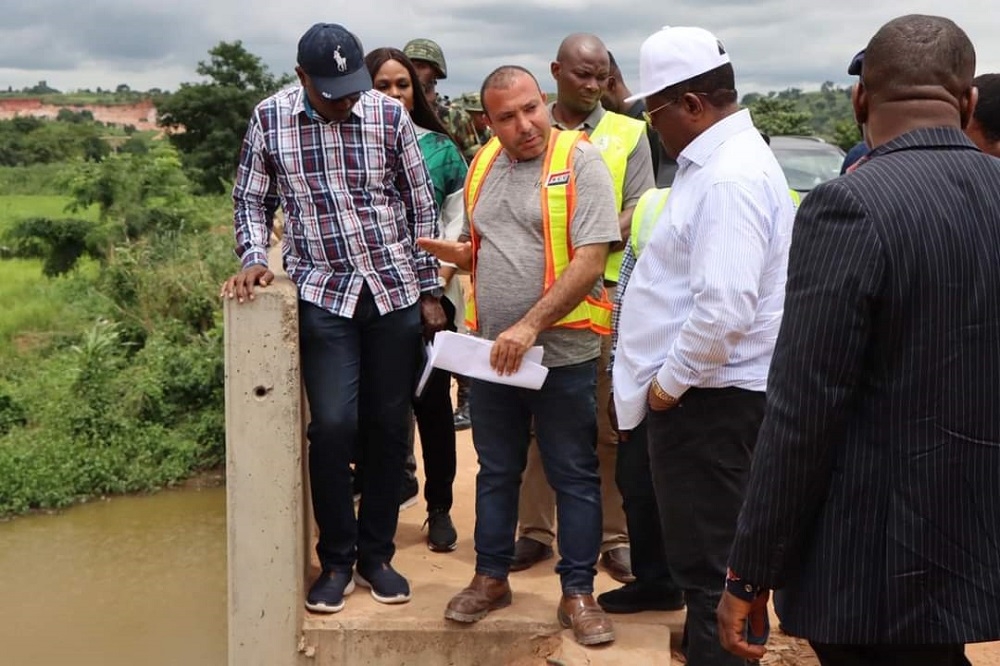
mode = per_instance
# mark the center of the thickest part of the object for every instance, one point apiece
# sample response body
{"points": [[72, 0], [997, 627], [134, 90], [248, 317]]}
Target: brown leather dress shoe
{"points": [[618, 563], [591, 626], [483, 595]]}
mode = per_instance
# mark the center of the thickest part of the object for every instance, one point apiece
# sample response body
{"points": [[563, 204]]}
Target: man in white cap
{"points": [[701, 314]]}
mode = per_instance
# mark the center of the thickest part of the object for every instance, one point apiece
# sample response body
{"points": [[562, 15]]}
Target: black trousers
{"points": [[890, 655], [436, 422], [635, 483], [699, 454]]}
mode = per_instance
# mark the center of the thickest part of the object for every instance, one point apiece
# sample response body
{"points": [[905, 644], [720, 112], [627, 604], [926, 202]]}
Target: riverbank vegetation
{"points": [[113, 244], [111, 369]]}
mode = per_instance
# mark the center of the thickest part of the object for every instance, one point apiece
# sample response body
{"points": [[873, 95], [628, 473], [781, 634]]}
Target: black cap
{"points": [[334, 60], [854, 69]]}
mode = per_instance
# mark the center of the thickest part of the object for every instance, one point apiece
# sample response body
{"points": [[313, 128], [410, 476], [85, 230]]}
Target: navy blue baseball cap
{"points": [[333, 58], [857, 62]]}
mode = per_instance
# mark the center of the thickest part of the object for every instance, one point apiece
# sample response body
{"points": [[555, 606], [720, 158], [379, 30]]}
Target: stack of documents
{"points": [[470, 356]]}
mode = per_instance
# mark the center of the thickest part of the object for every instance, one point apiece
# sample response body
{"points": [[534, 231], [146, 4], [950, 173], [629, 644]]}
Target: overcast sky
{"points": [[774, 44]]}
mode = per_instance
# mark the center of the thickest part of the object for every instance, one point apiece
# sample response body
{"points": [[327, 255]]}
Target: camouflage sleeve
{"points": [[459, 123]]}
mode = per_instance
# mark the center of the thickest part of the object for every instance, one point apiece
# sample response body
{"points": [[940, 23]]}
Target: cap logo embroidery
{"points": [[341, 60], [722, 49]]}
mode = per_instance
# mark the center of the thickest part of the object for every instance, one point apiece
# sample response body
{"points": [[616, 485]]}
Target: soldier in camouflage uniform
{"points": [[472, 105], [428, 59]]}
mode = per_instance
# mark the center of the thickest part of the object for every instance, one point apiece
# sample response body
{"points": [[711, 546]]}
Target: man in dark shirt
{"points": [[345, 164], [664, 167]]}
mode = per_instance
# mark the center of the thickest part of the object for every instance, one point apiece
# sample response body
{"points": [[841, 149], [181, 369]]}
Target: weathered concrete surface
{"points": [[525, 634], [264, 486]]}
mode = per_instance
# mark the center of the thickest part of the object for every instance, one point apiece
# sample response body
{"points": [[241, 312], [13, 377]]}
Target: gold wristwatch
{"points": [[663, 395]]}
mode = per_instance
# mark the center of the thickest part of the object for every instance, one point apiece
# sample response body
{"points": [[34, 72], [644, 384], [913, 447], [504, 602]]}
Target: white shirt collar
{"points": [[706, 143]]}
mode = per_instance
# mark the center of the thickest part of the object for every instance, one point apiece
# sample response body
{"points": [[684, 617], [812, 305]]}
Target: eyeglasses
{"points": [[648, 115]]}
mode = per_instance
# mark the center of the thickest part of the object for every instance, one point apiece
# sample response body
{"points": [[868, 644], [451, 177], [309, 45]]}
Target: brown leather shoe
{"points": [[618, 563], [483, 595], [590, 624]]}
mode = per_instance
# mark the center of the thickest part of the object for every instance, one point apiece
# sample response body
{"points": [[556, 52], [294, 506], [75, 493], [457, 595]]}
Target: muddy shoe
{"points": [[591, 626], [483, 595]]}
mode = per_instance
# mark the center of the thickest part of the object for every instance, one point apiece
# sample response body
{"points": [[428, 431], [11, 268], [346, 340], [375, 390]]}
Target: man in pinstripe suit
{"points": [[874, 497]]}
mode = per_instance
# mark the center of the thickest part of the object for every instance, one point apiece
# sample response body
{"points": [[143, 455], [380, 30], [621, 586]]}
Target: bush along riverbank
{"points": [[114, 383]]}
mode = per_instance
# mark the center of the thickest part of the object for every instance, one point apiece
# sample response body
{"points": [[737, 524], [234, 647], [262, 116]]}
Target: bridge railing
{"points": [[268, 512]]}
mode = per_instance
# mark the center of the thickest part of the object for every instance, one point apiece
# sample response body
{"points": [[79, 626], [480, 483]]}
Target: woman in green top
{"points": [[394, 75]]}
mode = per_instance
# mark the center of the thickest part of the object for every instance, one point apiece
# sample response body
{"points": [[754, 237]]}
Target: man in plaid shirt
{"points": [[344, 163]]}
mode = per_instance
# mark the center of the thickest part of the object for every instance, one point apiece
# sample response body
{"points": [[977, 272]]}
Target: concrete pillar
{"points": [[267, 526]]}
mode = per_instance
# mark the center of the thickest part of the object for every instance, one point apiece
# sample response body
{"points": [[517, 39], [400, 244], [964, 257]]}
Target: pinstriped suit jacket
{"points": [[874, 498]]}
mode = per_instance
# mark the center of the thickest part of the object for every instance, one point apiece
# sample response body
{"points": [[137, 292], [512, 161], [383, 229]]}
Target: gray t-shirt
{"points": [[510, 265]]}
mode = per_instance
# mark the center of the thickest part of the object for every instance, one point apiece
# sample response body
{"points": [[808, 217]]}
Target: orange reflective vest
{"points": [[558, 200]]}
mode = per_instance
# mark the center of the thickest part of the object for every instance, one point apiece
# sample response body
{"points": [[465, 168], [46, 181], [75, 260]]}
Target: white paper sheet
{"points": [[470, 356]]}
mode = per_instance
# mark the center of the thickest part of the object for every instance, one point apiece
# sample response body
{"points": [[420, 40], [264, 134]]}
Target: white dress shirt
{"points": [[704, 303]]}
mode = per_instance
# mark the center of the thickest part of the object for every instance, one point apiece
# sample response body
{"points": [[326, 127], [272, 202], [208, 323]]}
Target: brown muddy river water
{"points": [[127, 581]]}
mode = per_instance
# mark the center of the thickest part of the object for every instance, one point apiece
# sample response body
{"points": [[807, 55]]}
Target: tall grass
{"points": [[34, 310], [33, 179]]}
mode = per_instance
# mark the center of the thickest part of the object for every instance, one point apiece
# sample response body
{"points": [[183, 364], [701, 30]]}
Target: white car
{"points": [[807, 160]]}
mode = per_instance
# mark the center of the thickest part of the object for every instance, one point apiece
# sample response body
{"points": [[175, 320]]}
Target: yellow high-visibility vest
{"points": [[616, 136], [645, 216], [558, 200]]}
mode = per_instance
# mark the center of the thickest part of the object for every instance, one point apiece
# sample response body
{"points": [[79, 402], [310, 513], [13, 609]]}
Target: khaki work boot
{"points": [[483, 595], [589, 623]]}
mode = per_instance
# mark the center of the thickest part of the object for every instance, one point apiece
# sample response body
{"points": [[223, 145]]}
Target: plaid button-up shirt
{"points": [[356, 194], [624, 274]]}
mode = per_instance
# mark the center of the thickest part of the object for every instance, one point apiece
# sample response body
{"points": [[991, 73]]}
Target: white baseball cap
{"points": [[672, 55]]}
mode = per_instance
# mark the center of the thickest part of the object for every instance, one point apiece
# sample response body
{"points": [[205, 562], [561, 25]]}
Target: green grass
{"points": [[72, 99], [33, 179], [21, 206], [35, 309]]}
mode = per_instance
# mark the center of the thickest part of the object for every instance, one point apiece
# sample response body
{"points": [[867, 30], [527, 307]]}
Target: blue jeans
{"points": [[359, 376], [564, 411]]}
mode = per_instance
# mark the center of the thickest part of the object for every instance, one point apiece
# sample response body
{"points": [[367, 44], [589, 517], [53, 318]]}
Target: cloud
{"points": [[774, 44]]}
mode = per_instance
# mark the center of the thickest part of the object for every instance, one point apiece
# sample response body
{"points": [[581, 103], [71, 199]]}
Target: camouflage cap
{"points": [[428, 51], [471, 102]]}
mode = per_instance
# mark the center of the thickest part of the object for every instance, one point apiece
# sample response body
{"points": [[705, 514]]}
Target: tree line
{"points": [[206, 120]]}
